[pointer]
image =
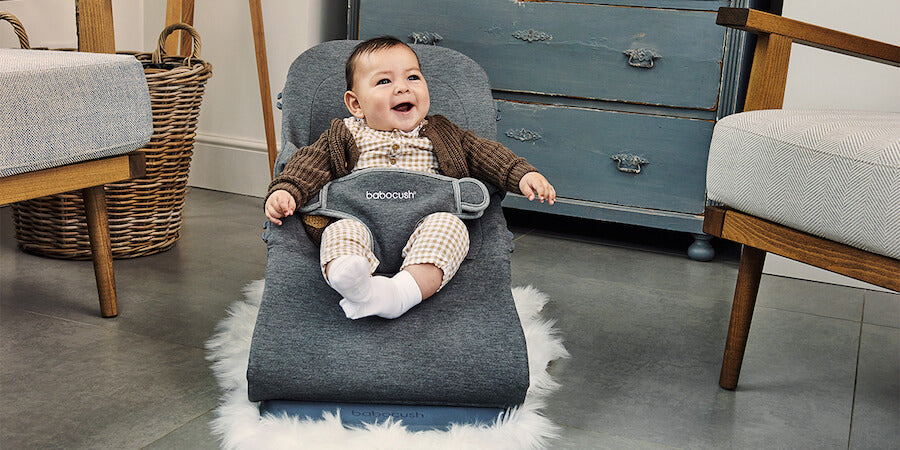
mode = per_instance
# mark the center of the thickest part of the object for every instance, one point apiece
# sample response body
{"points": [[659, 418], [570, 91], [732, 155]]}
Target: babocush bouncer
{"points": [[459, 356]]}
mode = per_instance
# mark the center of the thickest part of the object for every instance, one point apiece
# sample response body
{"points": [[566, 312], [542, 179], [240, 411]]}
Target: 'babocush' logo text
{"points": [[382, 195], [386, 414]]}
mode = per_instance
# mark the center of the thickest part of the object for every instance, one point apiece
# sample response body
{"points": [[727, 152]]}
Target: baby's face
{"points": [[389, 91]]}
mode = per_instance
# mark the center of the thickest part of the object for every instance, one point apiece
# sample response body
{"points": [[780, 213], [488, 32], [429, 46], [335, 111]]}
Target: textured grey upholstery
{"points": [[463, 346], [51, 116]]}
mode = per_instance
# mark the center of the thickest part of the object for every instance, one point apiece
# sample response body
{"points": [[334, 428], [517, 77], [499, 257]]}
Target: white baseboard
{"points": [[777, 265], [230, 164]]}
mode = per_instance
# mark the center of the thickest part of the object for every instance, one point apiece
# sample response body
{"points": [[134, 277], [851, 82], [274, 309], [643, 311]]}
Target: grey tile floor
{"points": [[644, 324]]}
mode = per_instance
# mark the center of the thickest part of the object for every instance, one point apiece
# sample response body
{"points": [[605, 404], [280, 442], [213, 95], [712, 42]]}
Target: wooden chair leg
{"points": [[101, 249], [749, 274]]}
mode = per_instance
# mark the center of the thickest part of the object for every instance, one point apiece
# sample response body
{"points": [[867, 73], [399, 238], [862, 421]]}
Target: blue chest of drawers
{"points": [[614, 101]]}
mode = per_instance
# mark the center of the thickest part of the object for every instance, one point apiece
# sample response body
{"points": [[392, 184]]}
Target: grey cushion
{"points": [[60, 108], [833, 174], [463, 346]]}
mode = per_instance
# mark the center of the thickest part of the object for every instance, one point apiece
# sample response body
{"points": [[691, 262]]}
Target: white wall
{"points": [[51, 23], [230, 152], [820, 80]]}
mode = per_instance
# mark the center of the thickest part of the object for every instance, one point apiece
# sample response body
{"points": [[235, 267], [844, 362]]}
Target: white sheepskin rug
{"points": [[240, 426]]}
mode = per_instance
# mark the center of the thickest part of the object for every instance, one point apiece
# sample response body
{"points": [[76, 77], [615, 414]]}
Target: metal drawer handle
{"points": [[532, 35], [425, 37], [524, 135], [641, 57], [629, 163]]}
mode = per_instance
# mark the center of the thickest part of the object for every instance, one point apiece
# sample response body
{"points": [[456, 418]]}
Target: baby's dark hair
{"points": [[370, 46]]}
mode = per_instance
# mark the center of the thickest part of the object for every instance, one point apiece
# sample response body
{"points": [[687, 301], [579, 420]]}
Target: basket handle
{"points": [[160, 47], [17, 27]]}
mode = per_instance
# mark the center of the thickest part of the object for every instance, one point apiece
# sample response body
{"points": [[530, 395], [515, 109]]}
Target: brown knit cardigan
{"points": [[459, 154]]}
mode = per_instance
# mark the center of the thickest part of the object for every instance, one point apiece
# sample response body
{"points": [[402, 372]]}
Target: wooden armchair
{"points": [[759, 232], [95, 34]]}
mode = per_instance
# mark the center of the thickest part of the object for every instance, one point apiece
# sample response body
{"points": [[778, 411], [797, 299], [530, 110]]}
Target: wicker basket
{"points": [[145, 214]]}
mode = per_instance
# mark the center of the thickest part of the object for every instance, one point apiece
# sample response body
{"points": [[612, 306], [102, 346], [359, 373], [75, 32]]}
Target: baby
{"points": [[389, 101]]}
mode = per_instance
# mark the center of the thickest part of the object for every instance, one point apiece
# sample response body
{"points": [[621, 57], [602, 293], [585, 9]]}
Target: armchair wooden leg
{"points": [[101, 249], [749, 274]]}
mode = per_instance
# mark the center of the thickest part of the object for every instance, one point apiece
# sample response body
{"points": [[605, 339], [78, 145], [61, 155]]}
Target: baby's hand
{"points": [[279, 204], [534, 183]]}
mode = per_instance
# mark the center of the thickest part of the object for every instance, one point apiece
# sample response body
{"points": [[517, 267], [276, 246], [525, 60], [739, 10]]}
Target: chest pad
{"points": [[391, 202]]}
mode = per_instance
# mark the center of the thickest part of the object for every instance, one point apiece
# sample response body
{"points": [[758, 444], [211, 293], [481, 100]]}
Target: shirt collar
{"points": [[414, 133]]}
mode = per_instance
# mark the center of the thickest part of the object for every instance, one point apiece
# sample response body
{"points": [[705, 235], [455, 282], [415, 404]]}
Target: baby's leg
{"points": [[435, 251], [347, 264], [347, 259], [432, 255], [428, 277]]}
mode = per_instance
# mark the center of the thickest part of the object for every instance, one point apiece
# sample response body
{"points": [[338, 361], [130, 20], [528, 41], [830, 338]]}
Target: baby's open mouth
{"points": [[403, 107]]}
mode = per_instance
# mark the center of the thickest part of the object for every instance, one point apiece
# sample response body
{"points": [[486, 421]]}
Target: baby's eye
{"points": [[383, 81], [413, 77]]}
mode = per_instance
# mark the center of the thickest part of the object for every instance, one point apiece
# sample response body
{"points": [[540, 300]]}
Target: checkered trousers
{"points": [[441, 239], [404, 150]]}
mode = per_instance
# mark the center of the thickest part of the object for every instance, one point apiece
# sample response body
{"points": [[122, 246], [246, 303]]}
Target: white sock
{"points": [[349, 275], [390, 298]]}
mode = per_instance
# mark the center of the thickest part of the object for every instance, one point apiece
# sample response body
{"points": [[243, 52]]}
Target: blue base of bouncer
{"points": [[413, 417]]}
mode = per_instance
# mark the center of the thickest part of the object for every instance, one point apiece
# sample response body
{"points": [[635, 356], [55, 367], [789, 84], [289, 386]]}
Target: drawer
{"points": [[568, 49], [573, 148]]}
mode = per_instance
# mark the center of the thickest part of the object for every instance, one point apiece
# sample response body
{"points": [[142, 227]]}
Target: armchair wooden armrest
{"points": [[72, 177], [773, 50]]}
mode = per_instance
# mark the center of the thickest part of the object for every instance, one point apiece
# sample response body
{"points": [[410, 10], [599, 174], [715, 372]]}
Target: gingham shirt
{"points": [[405, 150]]}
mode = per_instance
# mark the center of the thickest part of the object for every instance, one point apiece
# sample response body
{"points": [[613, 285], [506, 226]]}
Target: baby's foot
{"points": [[384, 301], [389, 298], [349, 275]]}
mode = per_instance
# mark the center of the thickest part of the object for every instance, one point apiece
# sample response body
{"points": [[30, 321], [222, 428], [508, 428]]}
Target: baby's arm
{"points": [[305, 173], [280, 204], [535, 183], [497, 164]]}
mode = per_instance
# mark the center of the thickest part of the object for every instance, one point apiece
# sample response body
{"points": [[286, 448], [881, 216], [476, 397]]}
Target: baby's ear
{"points": [[351, 101]]}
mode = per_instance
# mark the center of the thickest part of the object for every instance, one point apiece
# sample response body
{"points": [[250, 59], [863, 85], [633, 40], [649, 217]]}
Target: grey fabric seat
{"points": [[462, 347]]}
